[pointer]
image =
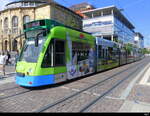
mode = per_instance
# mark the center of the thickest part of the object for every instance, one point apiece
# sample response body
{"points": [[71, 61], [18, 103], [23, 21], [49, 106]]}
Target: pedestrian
{"points": [[3, 59], [8, 58], [16, 57]]}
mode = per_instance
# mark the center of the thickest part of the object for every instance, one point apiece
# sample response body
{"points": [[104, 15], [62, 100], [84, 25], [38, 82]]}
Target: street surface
{"points": [[122, 89]]}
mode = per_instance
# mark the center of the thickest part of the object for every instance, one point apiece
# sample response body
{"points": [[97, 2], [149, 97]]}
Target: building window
{"points": [[6, 25], [26, 4], [6, 45], [32, 4], [15, 24], [14, 45], [26, 19], [107, 12]]}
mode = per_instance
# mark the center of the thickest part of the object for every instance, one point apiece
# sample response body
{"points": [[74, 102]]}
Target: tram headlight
{"points": [[30, 70]]}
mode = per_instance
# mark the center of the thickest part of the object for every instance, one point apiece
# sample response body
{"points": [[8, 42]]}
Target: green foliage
{"points": [[145, 51]]}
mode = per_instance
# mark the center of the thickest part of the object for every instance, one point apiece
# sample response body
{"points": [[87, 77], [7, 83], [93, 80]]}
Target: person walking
{"points": [[8, 58], [3, 59], [16, 57]]}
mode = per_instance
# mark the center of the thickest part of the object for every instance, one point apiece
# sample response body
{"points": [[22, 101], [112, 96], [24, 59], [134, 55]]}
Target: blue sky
{"points": [[136, 11]]}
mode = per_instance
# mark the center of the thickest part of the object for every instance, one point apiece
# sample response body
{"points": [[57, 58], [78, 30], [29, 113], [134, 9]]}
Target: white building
{"points": [[139, 40], [109, 23]]}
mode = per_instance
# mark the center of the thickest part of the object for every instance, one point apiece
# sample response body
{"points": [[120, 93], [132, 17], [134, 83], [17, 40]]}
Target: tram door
{"points": [[122, 56], [55, 58], [102, 57]]}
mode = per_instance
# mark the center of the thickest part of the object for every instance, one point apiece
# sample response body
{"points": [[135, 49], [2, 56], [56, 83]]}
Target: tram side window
{"points": [[47, 61], [103, 53], [113, 53], [100, 52], [106, 54], [59, 58], [110, 53]]}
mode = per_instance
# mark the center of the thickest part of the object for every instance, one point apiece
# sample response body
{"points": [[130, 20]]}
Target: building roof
{"points": [[139, 34], [56, 4], [81, 5], [117, 14], [50, 3], [17, 1]]}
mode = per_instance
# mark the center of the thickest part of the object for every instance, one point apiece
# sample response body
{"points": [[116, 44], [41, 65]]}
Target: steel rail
{"points": [[77, 93], [9, 88], [15, 94], [86, 107]]}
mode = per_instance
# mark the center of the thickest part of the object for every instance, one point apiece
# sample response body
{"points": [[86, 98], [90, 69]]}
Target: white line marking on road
{"points": [[86, 92], [126, 92], [65, 87], [76, 90], [144, 80], [2, 94], [96, 94], [109, 97]]}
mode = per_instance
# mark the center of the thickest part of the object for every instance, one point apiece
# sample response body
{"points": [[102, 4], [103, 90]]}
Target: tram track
{"points": [[7, 94], [87, 106], [5, 91], [23, 92], [9, 88], [51, 105], [15, 95]]}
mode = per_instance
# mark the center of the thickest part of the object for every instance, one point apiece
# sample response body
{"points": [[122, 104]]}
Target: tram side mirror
{"points": [[37, 41], [43, 33]]}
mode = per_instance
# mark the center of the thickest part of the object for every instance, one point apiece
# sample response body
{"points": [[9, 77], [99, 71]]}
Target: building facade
{"points": [[139, 40], [19, 12], [109, 23]]}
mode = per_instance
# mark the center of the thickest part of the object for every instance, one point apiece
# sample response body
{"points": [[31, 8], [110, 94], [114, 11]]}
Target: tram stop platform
{"points": [[138, 99]]}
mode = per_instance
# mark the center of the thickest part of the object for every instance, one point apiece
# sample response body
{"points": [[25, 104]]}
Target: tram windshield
{"points": [[30, 52]]}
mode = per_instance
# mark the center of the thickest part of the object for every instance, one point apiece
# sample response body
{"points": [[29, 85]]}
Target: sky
{"points": [[136, 11]]}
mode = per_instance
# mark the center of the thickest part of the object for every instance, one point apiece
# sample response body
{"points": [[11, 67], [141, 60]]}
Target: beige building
{"points": [[17, 13]]}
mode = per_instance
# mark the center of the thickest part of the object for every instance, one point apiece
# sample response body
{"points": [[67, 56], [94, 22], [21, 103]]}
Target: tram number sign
{"points": [[34, 24]]}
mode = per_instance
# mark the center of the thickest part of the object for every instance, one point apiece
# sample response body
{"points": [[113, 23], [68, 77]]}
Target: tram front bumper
{"points": [[35, 81]]}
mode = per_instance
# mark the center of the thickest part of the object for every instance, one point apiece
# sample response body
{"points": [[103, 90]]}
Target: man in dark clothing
{"points": [[8, 57]]}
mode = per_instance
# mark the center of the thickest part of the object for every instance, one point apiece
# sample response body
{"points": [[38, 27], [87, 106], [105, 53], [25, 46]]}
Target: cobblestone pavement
{"points": [[10, 75], [9, 69], [130, 96]]}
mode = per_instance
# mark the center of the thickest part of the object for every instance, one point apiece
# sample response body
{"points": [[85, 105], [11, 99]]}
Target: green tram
{"points": [[53, 53]]}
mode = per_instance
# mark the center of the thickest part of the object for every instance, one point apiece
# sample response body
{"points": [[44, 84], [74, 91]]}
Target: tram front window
{"points": [[30, 52]]}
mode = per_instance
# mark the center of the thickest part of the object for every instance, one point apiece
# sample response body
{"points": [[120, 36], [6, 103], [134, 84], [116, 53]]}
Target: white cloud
{"points": [[3, 3]]}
